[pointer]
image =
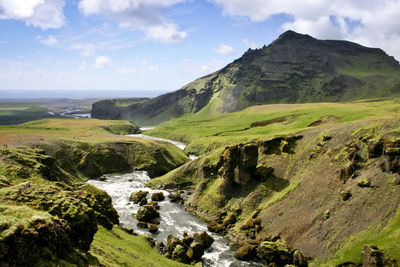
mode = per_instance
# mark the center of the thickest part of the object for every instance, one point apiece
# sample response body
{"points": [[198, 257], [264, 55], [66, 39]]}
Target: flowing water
{"points": [[174, 219]]}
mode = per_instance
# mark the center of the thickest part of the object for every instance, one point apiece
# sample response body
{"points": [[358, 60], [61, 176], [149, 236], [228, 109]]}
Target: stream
{"points": [[173, 217]]}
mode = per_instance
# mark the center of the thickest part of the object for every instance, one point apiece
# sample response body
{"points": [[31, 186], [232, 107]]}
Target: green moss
{"points": [[384, 236], [220, 130], [14, 218], [118, 248], [278, 196], [211, 199]]}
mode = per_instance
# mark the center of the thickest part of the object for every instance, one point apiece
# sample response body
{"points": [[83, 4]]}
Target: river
{"points": [[174, 219]]}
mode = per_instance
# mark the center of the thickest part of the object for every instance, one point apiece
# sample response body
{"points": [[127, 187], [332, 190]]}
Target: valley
{"points": [[288, 156]]}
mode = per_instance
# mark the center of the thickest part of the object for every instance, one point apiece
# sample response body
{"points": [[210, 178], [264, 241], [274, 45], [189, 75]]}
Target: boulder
{"points": [[278, 252], [364, 182], [204, 239], [158, 196], [137, 196], [245, 252], [142, 225], [187, 240], [179, 254], [247, 225], [175, 197], [153, 228], [299, 259], [155, 204], [172, 242], [215, 227], [160, 247], [371, 256], [345, 195], [222, 223], [143, 202], [195, 252], [147, 213]]}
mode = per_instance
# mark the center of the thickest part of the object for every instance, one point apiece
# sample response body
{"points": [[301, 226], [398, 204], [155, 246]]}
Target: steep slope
{"points": [[295, 68], [327, 190]]}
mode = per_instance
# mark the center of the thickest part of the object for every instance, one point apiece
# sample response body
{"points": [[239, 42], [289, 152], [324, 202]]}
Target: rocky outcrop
{"points": [[189, 249], [82, 210], [222, 223], [28, 237]]}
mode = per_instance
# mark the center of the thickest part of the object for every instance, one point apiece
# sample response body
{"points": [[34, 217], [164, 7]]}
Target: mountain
{"points": [[295, 68]]}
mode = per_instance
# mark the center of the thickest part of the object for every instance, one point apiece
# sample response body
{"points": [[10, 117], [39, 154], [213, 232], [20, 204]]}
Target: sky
{"points": [[164, 44]]}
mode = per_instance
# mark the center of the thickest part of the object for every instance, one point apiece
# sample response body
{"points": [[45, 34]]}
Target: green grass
{"points": [[13, 218], [385, 237], [205, 133], [118, 248], [86, 130], [16, 113]]}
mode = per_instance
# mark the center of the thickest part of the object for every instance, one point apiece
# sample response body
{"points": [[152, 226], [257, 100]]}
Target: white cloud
{"points": [[370, 22], [39, 13], [82, 66], [144, 15], [166, 33], [102, 62], [224, 49], [148, 67], [194, 69], [87, 50], [49, 41], [249, 44]]}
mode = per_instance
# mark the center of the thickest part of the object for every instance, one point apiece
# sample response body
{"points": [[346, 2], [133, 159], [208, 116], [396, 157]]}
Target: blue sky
{"points": [[164, 44]]}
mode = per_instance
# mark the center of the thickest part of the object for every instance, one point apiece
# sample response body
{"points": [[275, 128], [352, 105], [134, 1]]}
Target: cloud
{"points": [[102, 62], [369, 22], [82, 66], [148, 67], [224, 49], [46, 14], [249, 44], [144, 15], [49, 41], [87, 49]]}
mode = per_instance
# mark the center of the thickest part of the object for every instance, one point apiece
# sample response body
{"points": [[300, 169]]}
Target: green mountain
{"points": [[295, 68]]}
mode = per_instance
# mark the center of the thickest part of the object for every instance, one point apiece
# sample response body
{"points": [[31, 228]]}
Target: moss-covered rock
{"points": [[175, 197], [138, 196], [277, 252], [195, 252], [68, 205], [245, 252], [204, 239], [32, 238], [106, 215], [157, 196], [172, 242], [147, 213]]}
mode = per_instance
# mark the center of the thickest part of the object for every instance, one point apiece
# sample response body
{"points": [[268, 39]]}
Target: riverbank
{"points": [[43, 167]]}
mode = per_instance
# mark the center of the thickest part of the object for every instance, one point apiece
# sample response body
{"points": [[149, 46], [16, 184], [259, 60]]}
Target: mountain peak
{"points": [[292, 35]]}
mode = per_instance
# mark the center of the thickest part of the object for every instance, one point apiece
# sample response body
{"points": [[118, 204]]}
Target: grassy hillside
{"points": [[16, 113], [207, 133], [295, 68], [323, 176], [48, 216]]}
